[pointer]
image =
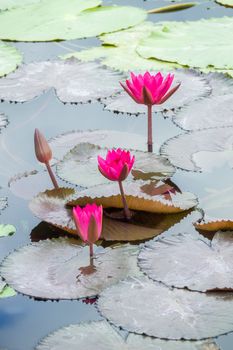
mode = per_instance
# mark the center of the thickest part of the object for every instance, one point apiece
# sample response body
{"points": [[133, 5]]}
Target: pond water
{"points": [[24, 321]]}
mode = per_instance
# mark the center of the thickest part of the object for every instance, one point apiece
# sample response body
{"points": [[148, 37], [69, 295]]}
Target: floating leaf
{"points": [[58, 269], [227, 3], [137, 198], [10, 58], [7, 230], [200, 150], [196, 315], [73, 81], [118, 50], [187, 93], [8, 4], [173, 7], [80, 166], [50, 207], [53, 20], [87, 335], [184, 43], [190, 261], [5, 291]]}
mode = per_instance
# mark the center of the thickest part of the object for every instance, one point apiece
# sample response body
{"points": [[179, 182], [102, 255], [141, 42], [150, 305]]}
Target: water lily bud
{"points": [[42, 148]]}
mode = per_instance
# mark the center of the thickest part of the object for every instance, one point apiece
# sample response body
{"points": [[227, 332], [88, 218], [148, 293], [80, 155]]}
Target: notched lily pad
{"points": [[196, 315], [87, 335], [10, 58], [190, 261], [200, 150], [193, 87], [51, 207], [60, 269], [73, 81], [7, 230], [80, 166]]}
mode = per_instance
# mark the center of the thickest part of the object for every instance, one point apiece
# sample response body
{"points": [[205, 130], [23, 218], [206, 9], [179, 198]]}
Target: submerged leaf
{"points": [[173, 7], [59, 19], [62, 265], [195, 315], [3, 121], [87, 335], [200, 150], [3, 203], [184, 43], [80, 166], [7, 230], [186, 94], [74, 82], [190, 261], [10, 58]]}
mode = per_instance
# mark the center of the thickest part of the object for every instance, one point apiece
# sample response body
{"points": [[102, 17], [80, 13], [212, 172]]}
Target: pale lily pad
{"points": [[53, 20], [80, 166], [118, 50], [51, 207], [64, 143], [227, 3], [8, 4], [138, 197], [10, 58], [195, 315], [190, 261], [60, 269], [74, 82], [7, 230], [214, 111], [184, 43], [87, 335], [193, 87], [200, 150]]}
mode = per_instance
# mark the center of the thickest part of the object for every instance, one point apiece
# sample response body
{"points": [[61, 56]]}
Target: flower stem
{"points": [[126, 209], [52, 176], [91, 253], [149, 139]]}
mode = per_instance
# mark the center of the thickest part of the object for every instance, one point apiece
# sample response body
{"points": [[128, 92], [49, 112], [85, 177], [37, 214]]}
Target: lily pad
{"points": [[200, 150], [64, 143], [74, 82], [193, 87], [10, 58], [60, 269], [8, 4], [62, 20], [6, 291], [190, 261], [118, 50], [87, 335], [7, 230], [196, 315], [184, 43], [227, 3], [80, 166], [138, 197], [50, 207]]}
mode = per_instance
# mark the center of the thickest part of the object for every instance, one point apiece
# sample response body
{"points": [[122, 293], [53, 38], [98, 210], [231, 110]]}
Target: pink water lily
{"points": [[117, 164], [116, 167], [88, 221], [149, 89]]}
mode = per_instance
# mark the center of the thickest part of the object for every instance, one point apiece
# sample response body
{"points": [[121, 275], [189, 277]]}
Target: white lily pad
{"points": [[60, 269], [193, 87], [190, 261], [10, 58], [87, 335], [195, 315], [200, 150], [184, 43], [80, 166], [53, 20], [74, 82], [7, 230]]}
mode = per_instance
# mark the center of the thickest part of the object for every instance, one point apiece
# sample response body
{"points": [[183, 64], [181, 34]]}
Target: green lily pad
{"points": [[7, 230], [6, 291], [184, 43], [65, 20], [227, 3], [87, 335], [10, 58], [8, 4], [118, 51], [80, 166]]}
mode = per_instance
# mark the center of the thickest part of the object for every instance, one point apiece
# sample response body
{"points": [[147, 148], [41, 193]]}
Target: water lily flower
{"points": [[149, 89], [88, 222], [116, 167], [44, 154]]}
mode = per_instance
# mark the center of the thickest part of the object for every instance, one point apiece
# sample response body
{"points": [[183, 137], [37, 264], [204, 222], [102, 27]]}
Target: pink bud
{"points": [[42, 148]]}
